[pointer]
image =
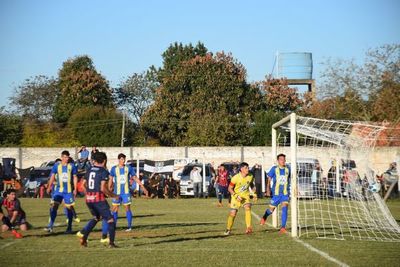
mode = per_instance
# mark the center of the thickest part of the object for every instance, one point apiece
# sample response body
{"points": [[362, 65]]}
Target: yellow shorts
{"points": [[236, 204]]}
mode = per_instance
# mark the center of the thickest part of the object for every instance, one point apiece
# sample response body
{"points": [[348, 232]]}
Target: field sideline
{"points": [[183, 232]]}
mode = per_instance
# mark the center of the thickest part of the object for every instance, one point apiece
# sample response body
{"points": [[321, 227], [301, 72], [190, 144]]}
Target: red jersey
{"points": [[223, 178], [12, 206]]}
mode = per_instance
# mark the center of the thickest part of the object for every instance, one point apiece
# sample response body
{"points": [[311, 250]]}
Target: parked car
{"points": [[305, 167], [186, 186]]}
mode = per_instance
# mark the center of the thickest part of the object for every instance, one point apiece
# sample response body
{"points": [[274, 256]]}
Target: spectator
{"points": [[197, 181], [16, 214], [94, 150], [222, 184], [257, 174], [170, 188], [315, 179], [332, 180], [154, 183]]}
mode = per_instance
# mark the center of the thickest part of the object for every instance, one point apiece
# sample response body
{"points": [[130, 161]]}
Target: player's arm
{"points": [[137, 180], [75, 180], [50, 183], [268, 189], [110, 182], [14, 216], [106, 190], [233, 194]]}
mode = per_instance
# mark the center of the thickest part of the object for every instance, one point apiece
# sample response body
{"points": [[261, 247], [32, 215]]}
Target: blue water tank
{"points": [[297, 65]]}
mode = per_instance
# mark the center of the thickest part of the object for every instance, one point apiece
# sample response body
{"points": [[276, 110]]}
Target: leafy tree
{"points": [[96, 126], [261, 129], [10, 128], [35, 97], [205, 101], [386, 102], [135, 94], [80, 86], [278, 96]]}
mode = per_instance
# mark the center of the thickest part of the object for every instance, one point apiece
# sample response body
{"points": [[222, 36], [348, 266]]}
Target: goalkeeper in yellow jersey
{"points": [[240, 188]]}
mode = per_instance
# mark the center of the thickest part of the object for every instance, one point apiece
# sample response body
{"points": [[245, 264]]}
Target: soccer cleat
{"points": [[83, 242], [68, 231], [262, 222], [112, 246], [219, 204], [227, 232], [128, 229], [77, 220], [283, 230], [249, 230], [79, 234], [105, 240], [16, 234], [48, 229]]}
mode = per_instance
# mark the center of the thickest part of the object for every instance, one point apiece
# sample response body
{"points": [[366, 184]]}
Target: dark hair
{"points": [[121, 155], [281, 155], [100, 157], [65, 153], [243, 164], [57, 160], [9, 191]]}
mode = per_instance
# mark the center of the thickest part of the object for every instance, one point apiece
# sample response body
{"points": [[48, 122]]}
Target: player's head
{"points": [[11, 195], [281, 158], [100, 158], [65, 156], [121, 158], [244, 168]]}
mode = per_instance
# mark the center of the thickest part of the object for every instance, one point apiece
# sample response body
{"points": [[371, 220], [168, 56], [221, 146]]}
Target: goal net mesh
{"points": [[337, 189]]}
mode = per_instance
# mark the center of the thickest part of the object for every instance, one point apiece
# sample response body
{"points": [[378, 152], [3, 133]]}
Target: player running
{"points": [[279, 182], [239, 188], [120, 177], [64, 176], [96, 192]]}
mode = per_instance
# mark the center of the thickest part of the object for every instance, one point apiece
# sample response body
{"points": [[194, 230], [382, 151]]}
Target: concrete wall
{"points": [[377, 159]]}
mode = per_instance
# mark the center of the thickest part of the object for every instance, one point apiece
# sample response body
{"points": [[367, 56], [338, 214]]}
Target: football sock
{"points": [[69, 216], [53, 215], [284, 215], [231, 220], [88, 228], [104, 228], [267, 213], [115, 215], [129, 216], [111, 231], [247, 217]]}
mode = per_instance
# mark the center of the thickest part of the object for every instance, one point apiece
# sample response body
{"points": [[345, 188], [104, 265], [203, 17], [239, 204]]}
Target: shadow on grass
{"points": [[182, 239]]}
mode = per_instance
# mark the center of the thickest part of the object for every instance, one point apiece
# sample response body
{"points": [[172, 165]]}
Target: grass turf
{"points": [[182, 232]]}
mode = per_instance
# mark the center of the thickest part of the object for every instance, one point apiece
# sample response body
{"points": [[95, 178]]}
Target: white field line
{"points": [[7, 244], [308, 246]]}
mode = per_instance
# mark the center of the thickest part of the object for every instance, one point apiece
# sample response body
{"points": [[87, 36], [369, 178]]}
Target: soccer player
{"points": [[278, 187], [64, 176], [96, 193], [16, 216], [120, 177], [222, 184], [239, 188]]}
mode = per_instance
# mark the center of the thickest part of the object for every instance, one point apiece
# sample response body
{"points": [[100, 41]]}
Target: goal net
{"points": [[335, 191]]}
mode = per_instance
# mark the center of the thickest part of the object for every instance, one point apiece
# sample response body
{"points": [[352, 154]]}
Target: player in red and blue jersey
{"points": [[64, 175], [278, 187], [16, 216], [96, 192], [121, 176]]}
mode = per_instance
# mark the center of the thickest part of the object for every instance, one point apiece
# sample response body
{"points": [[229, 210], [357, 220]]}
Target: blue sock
{"points": [[104, 228], [284, 216], [267, 213], [53, 215], [115, 215], [88, 228], [111, 232], [70, 216], [65, 212], [129, 216]]}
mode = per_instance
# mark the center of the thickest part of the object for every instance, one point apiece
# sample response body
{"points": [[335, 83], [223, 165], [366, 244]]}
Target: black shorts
{"points": [[100, 210]]}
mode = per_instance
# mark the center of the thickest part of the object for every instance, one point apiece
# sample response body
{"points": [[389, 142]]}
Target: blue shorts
{"points": [[100, 210], [67, 197], [276, 200], [124, 198]]}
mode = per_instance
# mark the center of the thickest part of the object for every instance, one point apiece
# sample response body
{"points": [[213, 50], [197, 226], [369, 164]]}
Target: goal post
{"points": [[334, 192]]}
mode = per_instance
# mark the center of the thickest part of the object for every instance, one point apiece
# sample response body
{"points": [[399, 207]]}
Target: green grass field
{"points": [[182, 232]]}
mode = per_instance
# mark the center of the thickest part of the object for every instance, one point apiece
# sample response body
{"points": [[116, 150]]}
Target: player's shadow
{"points": [[177, 234], [171, 225], [182, 239], [141, 216]]}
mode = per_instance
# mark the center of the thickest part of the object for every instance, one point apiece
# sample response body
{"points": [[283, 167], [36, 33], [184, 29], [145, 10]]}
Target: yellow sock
{"points": [[247, 217], [231, 219]]}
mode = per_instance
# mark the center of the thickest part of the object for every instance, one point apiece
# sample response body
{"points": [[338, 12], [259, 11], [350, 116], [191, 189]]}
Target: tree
{"points": [[96, 126], [10, 128], [135, 94], [80, 86], [261, 129], [205, 101], [279, 97], [386, 102], [35, 97]]}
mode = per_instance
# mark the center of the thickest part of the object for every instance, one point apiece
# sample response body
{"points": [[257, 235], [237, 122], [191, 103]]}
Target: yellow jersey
{"points": [[241, 185]]}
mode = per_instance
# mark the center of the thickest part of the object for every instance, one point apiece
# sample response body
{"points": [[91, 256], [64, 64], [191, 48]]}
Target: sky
{"points": [[126, 37]]}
